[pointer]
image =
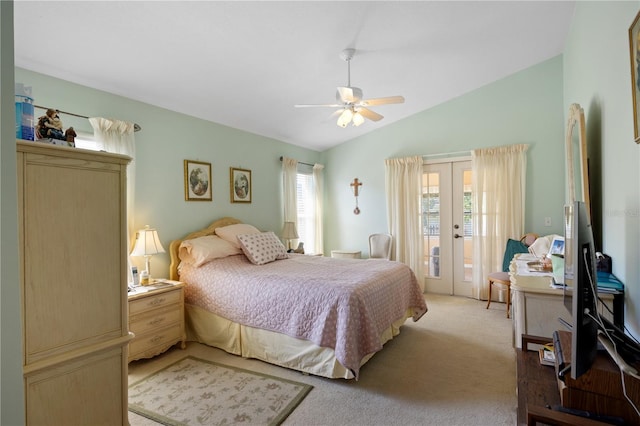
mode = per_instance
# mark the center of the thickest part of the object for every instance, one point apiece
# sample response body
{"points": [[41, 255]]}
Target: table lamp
{"points": [[289, 232], [147, 244]]}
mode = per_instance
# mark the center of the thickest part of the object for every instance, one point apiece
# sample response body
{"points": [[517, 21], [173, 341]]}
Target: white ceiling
{"points": [[245, 64]]}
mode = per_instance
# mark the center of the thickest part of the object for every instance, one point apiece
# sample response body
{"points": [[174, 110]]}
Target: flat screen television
{"points": [[581, 287]]}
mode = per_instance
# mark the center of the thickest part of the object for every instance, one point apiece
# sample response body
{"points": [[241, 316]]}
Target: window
{"points": [[306, 209], [87, 141]]}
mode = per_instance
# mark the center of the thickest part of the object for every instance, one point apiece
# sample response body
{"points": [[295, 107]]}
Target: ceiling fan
{"points": [[353, 109]]}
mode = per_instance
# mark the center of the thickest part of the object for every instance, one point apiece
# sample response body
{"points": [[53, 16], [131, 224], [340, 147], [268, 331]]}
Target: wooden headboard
{"points": [[175, 244]]}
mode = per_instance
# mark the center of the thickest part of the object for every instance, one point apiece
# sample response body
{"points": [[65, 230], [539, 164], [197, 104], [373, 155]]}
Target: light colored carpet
{"points": [[193, 391], [455, 366]]}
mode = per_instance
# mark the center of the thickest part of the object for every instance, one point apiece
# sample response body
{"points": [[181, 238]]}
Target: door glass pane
{"points": [[467, 225], [431, 223]]}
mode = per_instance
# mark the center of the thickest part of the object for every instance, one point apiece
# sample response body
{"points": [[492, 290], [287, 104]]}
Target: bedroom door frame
{"points": [[448, 269]]}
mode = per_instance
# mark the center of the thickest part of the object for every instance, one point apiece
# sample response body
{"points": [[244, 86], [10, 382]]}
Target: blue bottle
{"points": [[24, 118]]}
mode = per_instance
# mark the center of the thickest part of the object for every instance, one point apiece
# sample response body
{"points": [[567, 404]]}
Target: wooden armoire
{"points": [[73, 255]]}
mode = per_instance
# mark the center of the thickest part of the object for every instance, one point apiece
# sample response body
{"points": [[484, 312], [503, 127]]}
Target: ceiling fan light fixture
{"points": [[345, 117], [358, 119]]}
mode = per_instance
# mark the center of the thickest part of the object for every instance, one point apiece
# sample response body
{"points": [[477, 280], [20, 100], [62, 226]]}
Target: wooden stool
{"points": [[500, 278]]}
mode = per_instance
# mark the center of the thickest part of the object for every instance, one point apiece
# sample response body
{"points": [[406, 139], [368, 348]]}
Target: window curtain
{"points": [[318, 185], [499, 177], [403, 186], [290, 176], [117, 137]]}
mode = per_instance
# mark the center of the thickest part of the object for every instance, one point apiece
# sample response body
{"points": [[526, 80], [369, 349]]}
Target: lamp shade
{"points": [[358, 119], [147, 242], [289, 231], [345, 118]]}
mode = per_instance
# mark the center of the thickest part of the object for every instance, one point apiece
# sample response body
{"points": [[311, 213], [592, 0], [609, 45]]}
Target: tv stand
{"points": [[620, 362], [588, 415], [538, 390], [598, 391]]}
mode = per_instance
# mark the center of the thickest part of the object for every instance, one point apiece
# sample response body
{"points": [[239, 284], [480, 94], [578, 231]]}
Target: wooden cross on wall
{"points": [[355, 185]]}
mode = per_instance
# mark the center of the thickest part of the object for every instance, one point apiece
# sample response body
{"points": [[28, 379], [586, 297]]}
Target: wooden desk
{"points": [[536, 307]]}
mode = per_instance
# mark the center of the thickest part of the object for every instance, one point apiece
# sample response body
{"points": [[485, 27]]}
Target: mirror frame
{"points": [[576, 123]]}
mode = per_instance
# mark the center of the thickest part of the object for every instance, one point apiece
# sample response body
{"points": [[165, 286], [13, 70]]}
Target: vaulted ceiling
{"points": [[245, 64]]}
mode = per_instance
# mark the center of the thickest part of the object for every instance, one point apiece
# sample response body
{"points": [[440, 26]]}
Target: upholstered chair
{"points": [[380, 246]]}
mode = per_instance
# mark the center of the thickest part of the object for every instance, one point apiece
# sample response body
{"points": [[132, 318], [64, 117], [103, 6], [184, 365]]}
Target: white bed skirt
{"points": [[269, 346]]}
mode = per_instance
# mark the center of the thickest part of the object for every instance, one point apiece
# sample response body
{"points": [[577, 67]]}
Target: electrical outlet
{"points": [[547, 221]]}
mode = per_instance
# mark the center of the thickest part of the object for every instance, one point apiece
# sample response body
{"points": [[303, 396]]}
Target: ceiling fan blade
{"points": [[336, 113], [371, 115], [319, 105], [383, 101]]}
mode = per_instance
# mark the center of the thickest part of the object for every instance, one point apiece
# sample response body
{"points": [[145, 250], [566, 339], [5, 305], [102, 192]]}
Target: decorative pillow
{"points": [[262, 248], [541, 246], [230, 232], [199, 251]]}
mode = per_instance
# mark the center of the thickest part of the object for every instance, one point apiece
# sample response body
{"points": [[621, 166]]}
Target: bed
{"points": [[314, 314]]}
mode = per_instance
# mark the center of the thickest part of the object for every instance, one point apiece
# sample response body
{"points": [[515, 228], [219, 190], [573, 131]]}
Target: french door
{"points": [[447, 227]]}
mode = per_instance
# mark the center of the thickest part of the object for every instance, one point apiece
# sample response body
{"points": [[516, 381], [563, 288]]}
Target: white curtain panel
{"points": [[499, 179], [117, 136], [403, 185], [318, 185], [290, 177]]}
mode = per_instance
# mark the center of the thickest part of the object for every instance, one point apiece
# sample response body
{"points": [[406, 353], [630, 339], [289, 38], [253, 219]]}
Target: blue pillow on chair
{"points": [[513, 247]]}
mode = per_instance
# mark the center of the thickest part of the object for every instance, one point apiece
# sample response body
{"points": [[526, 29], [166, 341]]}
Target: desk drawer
{"points": [[154, 302]]}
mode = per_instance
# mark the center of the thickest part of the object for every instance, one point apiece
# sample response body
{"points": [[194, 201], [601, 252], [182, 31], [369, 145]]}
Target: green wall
{"points": [[12, 403], [168, 138], [525, 107], [597, 76], [489, 116]]}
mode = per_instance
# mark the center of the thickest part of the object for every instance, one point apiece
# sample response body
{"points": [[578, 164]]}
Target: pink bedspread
{"points": [[343, 304]]}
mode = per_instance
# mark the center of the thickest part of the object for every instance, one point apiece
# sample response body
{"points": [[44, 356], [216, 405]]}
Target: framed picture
{"points": [[240, 182], [197, 181], [634, 34], [557, 247]]}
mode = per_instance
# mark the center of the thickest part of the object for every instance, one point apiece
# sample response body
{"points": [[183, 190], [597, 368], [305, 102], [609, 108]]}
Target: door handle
{"points": [[457, 236]]}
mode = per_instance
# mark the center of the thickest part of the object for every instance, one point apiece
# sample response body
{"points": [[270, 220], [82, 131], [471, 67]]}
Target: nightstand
{"points": [[156, 317]]}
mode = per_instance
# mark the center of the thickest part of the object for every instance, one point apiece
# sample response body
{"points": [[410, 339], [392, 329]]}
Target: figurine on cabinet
{"points": [[70, 136], [50, 126]]}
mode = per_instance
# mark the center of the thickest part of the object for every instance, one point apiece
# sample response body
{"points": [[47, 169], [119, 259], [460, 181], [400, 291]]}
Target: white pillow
{"points": [[199, 251], [230, 232], [262, 248]]}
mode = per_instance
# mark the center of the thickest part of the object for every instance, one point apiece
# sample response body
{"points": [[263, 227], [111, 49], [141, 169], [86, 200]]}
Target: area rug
{"points": [[194, 391]]}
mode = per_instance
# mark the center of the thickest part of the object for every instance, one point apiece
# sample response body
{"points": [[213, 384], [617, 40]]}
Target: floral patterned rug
{"points": [[194, 391]]}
